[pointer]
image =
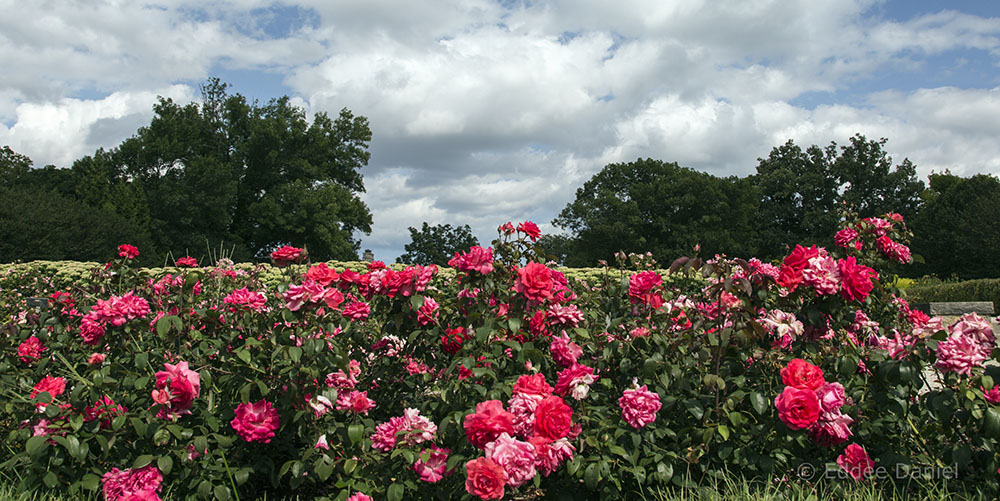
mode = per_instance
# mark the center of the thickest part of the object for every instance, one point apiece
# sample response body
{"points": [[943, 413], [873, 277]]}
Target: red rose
{"points": [[803, 375], [530, 229], [856, 463], [487, 423], [790, 275], [856, 279], [640, 288], [797, 408], [535, 282], [323, 274], [553, 418], [485, 479], [452, 340]]}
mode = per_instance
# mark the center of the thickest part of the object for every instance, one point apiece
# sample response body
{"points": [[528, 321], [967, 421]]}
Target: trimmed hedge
{"points": [[986, 289]]}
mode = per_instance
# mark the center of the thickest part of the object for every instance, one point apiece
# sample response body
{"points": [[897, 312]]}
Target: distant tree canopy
{"points": [[796, 196], [251, 176], [437, 244], [650, 205], [958, 228]]}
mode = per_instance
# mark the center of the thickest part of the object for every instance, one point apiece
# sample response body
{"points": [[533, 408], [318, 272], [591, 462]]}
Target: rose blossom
{"points": [[128, 251], [54, 386], [30, 350], [359, 496], [575, 381], [831, 397], [564, 351], [322, 274], [640, 288], [534, 281], [357, 311], [532, 385], [427, 314], [433, 469], [549, 454], [893, 250], [790, 274], [797, 408], [553, 418], [137, 483], [992, 395], [517, 458], [831, 428], [246, 299], [488, 422], [286, 255], [96, 358], [855, 461], [187, 261], [477, 259], [103, 409], [530, 229], [176, 388], [856, 279], [801, 374], [485, 479], [822, 274], [320, 405], [846, 238], [355, 401], [639, 406], [256, 422], [411, 428], [959, 354]]}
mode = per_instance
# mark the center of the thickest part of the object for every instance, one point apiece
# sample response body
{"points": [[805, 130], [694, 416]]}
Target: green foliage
{"points": [[958, 228], [39, 224], [987, 289], [437, 244], [650, 205]]}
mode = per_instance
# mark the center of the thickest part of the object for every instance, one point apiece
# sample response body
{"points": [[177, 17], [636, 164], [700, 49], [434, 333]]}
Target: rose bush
{"points": [[500, 378]]}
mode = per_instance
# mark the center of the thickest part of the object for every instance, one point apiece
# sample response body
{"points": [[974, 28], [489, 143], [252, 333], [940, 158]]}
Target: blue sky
{"points": [[485, 111]]}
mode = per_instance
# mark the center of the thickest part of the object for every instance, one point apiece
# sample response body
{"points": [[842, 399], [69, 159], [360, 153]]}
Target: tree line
{"points": [[246, 177]]}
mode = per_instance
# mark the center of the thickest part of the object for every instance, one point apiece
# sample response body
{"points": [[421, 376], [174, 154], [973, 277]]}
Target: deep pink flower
{"points": [[549, 454], [831, 428], [246, 300], [128, 251], [256, 422], [187, 261], [298, 295], [553, 418], [831, 397], [359, 496], [575, 381], [477, 259], [564, 351], [639, 406], [856, 279], [797, 408], [855, 462], [357, 311], [54, 386], [790, 274], [30, 350], [846, 238], [433, 469], [96, 358], [992, 395], [487, 423], [959, 354], [141, 483], [530, 229], [893, 250], [104, 409], [427, 314], [534, 384], [176, 388], [801, 374], [641, 288], [485, 479], [287, 255], [534, 281], [409, 429], [322, 274]]}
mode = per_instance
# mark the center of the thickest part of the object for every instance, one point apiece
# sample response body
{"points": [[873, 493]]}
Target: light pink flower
{"points": [[959, 354], [549, 454], [415, 429], [564, 315], [639, 406], [822, 273], [517, 458], [321, 443], [831, 397], [359, 496]]}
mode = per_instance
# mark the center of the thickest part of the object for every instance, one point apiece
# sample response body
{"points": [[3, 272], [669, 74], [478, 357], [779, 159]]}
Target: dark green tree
{"points": [[958, 229], [650, 205], [437, 244], [14, 167], [802, 193]]}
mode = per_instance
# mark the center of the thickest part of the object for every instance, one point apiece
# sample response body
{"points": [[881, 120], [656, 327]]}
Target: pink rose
{"points": [[359, 496], [575, 381], [246, 300], [564, 351], [322, 274], [140, 483], [256, 422], [30, 350], [96, 358], [801, 374], [959, 354], [128, 251], [357, 311], [641, 288], [790, 274], [639, 406], [532, 385], [517, 458], [856, 279], [831, 397], [188, 261], [287, 254], [822, 274], [831, 428], [355, 401], [477, 259], [534, 281], [549, 454], [176, 388], [993, 395], [433, 469], [846, 238], [855, 462]]}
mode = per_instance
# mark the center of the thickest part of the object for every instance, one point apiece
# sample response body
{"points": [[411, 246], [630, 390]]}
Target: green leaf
{"points": [[243, 355], [724, 431], [695, 408], [759, 403], [395, 492], [416, 302], [204, 488], [142, 460], [991, 423], [90, 482], [349, 466], [35, 445], [591, 476], [165, 464], [51, 480], [296, 353], [221, 493], [354, 432], [640, 474]]}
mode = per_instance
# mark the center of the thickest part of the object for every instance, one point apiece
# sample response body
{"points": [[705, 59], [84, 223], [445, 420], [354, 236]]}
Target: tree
{"points": [[803, 192], [650, 205], [437, 244], [13, 166], [958, 229], [255, 176]]}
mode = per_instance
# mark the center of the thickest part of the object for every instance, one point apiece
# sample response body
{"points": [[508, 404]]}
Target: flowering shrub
{"points": [[497, 379]]}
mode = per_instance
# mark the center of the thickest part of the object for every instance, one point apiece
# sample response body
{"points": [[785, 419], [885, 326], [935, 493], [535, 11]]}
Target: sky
{"points": [[487, 111]]}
